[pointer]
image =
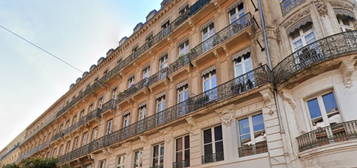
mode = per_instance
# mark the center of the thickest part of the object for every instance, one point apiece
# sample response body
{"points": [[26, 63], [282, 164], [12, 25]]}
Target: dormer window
{"points": [[345, 19]]}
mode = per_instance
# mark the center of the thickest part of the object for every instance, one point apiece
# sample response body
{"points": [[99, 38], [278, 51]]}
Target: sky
{"points": [[79, 31]]}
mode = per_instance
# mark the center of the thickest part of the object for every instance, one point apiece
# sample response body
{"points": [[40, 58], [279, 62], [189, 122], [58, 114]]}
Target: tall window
{"points": [[109, 127], [163, 62], [82, 113], [209, 82], [160, 103], [100, 102], [236, 13], [142, 112], [182, 96], [252, 138], [158, 156], [60, 151], [68, 146], [126, 120], [183, 48], [242, 64], [146, 72], [75, 142], [102, 164], [121, 161], [138, 158], [207, 32], [85, 138], [68, 123], [323, 110], [74, 119], [346, 23], [131, 81], [213, 144], [114, 93], [302, 36], [182, 152], [94, 133]]}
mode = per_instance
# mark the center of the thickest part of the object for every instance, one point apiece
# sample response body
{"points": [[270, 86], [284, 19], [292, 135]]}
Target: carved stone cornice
{"points": [[321, 7], [226, 114], [268, 96], [191, 122], [291, 20]]}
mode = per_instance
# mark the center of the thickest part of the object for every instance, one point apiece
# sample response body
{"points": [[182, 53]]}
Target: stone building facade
{"points": [[214, 83]]}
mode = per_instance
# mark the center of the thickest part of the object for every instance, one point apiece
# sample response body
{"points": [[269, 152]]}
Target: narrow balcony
{"points": [[212, 157], [333, 133], [237, 86], [288, 5], [181, 164], [322, 50]]}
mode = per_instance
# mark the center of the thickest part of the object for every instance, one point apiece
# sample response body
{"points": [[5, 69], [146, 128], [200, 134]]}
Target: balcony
{"points": [[253, 149], [212, 157], [181, 164], [288, 5], [242, 84], [322, 50], [34, 150], [220, 37], [333, 133]]}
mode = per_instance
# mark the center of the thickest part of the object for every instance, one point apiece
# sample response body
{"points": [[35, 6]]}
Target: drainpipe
{"points": [[265, 36]]}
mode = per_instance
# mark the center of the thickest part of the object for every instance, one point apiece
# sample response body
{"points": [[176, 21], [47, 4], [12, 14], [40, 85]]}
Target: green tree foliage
{"points": [[39, 163], [11, 166]]}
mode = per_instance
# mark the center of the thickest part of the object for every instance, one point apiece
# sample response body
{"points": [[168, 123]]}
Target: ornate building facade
{"points": [[214, 83]]}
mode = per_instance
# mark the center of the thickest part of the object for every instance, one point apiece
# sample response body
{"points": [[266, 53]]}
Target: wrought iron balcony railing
{"points": [[237, 86], [288, 5], [331, 134], [181, 164], [128, 60], [253, 149], [210, 43], [319, 51], [35, 150], [212, 157], [111, 104]]}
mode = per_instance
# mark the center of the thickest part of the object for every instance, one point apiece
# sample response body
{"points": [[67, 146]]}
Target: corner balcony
{"points": [[288, 5], [237, 86], [334, 133], [290, 70]]}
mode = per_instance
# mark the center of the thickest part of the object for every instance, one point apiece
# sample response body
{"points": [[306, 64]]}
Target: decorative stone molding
{"points": [[191, 122], [321, 7], [268, 96], [286, 95], [226, 114], [107, 151], [347, 69], [304, 12]]}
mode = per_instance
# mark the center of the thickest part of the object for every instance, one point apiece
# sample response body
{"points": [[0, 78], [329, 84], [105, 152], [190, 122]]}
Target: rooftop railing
{"points": [[237, 86], [319, 51], [333, 133], [288, 5]]}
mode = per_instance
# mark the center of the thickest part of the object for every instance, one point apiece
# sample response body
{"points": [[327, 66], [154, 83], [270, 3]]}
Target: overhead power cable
{"points": [[40, 48]]}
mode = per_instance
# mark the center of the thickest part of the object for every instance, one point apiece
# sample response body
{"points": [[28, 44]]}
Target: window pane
{"points": [[258, 122], [244, 126], [314, 108], [310, 38], [178, 144], [218, 133], [208, 149], [187, 142], [329, 102], [207, 136]]}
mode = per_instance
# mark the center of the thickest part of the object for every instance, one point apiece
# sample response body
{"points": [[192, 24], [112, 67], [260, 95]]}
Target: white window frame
{"points": [[209, 78], [126, 120], [184, 48], [244, 64], [184, 148], [138, 158], [161, 154], [182, 93], [302, 37], [131, 81], [85, 138], [109, 127], [163, 62], [94, 134], [100, 102], [160, 103], [238, 13], [213, 142], [102, 163], [142, 112], [114, 93], [121, 161], [146, 72], [251, 128], [322, 108], [343, 27]]}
